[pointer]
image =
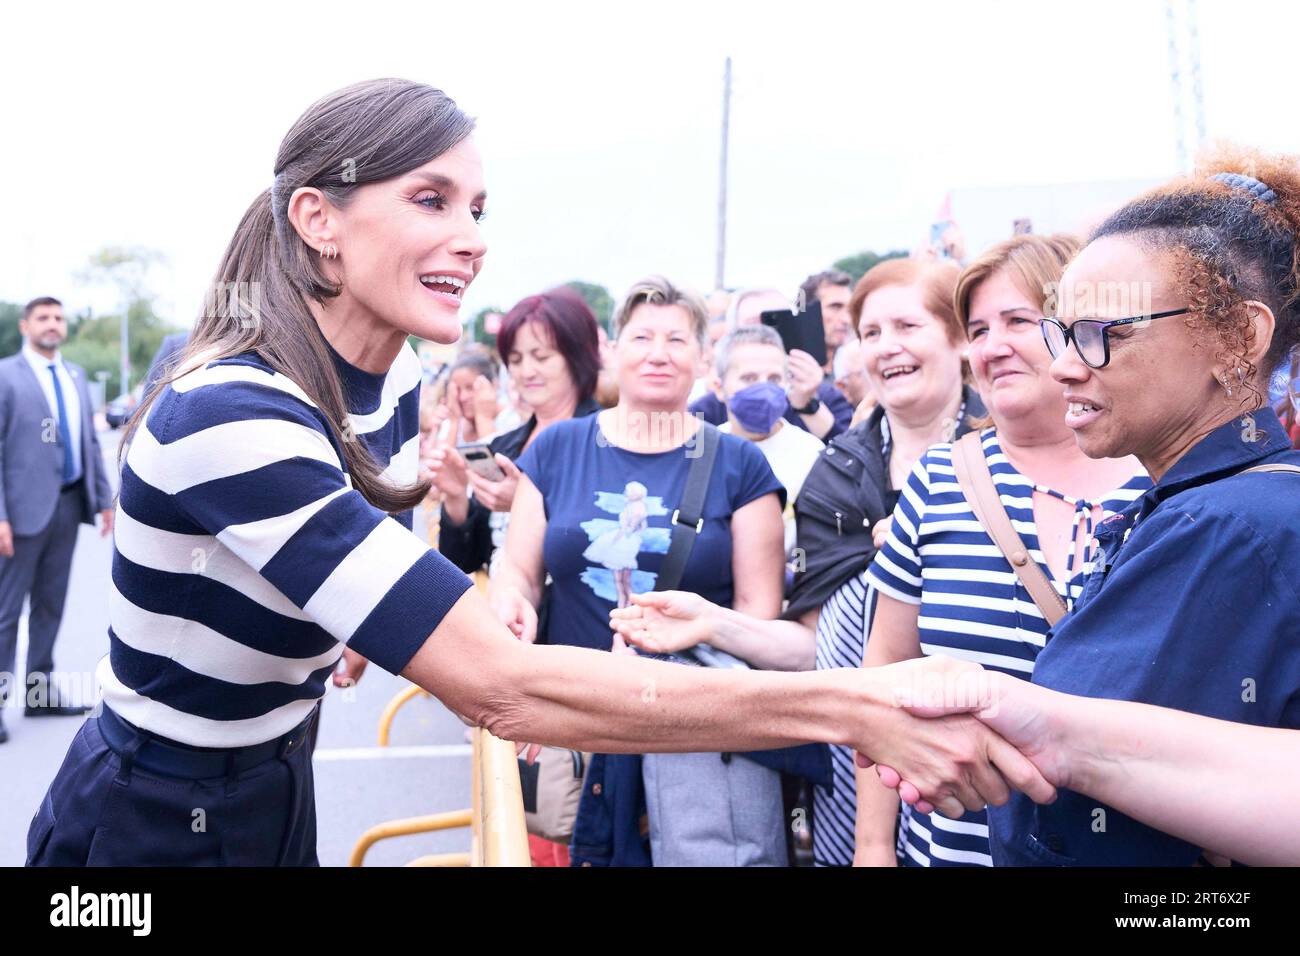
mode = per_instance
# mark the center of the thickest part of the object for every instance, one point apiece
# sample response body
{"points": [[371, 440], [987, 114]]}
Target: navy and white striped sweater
{"points": [[243, 559]]}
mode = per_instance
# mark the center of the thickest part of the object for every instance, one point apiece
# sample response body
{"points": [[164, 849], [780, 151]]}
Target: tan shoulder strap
{"points": [[976, 483]]}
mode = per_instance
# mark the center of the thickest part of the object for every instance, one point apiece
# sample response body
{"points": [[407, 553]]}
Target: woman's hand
{"points": [[516, 612], [805, 378], [497, 495], [662, 622], [1021, 713], [958, 762], [880, 532], [350, 668], [484, 398], [1026, 716], [446, 468]]}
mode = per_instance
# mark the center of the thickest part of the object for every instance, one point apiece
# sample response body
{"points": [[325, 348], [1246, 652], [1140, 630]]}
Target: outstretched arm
{"points": [[1182, 773], [663, 622], [590, 700]]}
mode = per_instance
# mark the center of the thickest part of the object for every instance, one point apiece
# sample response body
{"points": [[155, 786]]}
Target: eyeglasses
{"points": [[1091, 336]]}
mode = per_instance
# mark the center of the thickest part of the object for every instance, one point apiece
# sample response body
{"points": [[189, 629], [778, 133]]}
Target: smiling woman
{"points": [[263, 524], [946, 585], [1194, 600]]}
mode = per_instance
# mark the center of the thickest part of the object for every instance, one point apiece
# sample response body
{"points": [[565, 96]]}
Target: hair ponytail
{"points": [[258, 299]]}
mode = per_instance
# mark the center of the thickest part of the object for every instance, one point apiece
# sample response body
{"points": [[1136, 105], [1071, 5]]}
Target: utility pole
{"points": [[721, 266], [1185, 84], [126, 353]]}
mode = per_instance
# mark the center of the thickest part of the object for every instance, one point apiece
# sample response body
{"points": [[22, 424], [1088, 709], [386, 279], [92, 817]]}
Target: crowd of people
{"points": [[1004, 476]]}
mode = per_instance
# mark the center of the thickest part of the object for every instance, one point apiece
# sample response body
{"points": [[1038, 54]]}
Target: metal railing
{"points": [[499, 836]]}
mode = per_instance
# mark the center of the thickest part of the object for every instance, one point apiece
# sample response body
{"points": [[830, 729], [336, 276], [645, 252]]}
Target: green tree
{"points": [[11, 340], [95, 342], [477, 326], [857, 265], [598, 300]]}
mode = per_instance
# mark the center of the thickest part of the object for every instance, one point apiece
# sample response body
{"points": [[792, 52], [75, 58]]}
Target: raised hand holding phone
{"points": [[495, 494]]}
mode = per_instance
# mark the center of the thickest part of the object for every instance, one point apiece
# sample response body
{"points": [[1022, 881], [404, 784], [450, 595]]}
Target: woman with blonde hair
{"points": [[911, 355]]}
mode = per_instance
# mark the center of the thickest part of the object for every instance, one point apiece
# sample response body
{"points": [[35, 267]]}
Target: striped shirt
{"points": [[972, 605], [841, 626], [244, 560]]}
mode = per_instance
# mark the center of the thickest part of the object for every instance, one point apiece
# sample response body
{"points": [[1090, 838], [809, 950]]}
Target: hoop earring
{"points": [[329, 251], [1226, 387]]}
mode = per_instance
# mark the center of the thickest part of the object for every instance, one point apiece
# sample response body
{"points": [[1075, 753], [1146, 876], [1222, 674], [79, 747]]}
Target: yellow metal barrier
{"points": [[392, 707], [441, 859], [407, 827], [499, 836]]}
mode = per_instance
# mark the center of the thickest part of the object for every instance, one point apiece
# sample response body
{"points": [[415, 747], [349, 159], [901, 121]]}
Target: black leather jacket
{"points": [[842, 498]]}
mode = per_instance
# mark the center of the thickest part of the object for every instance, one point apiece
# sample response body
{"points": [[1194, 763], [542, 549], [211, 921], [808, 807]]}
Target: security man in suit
{"points": [[52, 479]]}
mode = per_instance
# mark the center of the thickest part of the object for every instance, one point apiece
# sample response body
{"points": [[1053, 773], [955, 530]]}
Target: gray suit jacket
{"points": [[31, 469]]}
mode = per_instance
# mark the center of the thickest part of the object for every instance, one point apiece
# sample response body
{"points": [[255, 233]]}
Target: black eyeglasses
{"points": [[1091, 336]]}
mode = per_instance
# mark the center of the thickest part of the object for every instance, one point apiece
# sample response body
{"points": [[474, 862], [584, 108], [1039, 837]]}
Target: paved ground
{"points": [[357, 783]]}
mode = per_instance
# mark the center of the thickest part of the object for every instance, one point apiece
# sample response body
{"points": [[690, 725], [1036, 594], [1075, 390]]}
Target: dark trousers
{"points": [[40, 568], [104, 810]]}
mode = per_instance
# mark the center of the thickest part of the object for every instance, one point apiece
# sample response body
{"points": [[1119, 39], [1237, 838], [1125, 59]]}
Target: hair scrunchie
{"points": [[1247, 184]]}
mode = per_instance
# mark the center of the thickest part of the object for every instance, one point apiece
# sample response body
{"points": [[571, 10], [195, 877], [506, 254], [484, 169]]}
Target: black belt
{"points": [[160, 755], [73, 485]]}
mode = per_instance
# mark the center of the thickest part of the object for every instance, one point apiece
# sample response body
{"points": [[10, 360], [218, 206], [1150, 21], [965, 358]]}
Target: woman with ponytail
{"points": [[263, 526]]}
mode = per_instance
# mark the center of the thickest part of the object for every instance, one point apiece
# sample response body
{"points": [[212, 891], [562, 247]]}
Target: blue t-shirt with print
{"points": [[608, 517]]}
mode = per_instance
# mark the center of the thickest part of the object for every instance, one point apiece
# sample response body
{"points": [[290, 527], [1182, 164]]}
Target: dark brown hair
{"points": [[571, 327], [36, 303], [365, 133], [1232, 242]]}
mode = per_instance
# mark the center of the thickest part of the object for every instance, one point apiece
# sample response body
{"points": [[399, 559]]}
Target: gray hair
{"points": [[840, 364], [656, 290], [747, 335], [733, 310]]}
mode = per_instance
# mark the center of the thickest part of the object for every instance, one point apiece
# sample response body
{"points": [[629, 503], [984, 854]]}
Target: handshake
{"points": [[946, 734], [965, 737]]}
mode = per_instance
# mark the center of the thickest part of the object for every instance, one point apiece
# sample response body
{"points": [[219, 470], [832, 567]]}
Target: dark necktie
{"points": [[65, 436]]}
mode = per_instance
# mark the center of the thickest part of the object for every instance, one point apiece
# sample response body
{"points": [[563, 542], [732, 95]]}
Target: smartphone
{"points": [[800, 330], [478, 456]]}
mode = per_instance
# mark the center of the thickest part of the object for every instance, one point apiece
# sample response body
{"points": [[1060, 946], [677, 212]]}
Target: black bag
{"points": [[841, 500]]}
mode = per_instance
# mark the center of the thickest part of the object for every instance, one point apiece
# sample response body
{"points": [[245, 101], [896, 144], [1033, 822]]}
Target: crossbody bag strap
{"points": [[976, 483], [688, 519]]}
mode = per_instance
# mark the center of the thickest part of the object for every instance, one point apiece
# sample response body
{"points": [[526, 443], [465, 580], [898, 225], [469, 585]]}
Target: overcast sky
{"points": [[156, 124]]}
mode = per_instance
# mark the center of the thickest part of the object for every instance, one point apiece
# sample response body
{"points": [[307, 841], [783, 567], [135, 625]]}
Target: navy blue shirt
{"points": [[608, 512], [1192, 604]]}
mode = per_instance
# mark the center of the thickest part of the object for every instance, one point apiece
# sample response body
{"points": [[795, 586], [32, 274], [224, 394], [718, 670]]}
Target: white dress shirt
{"points": [[71, 401]]}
